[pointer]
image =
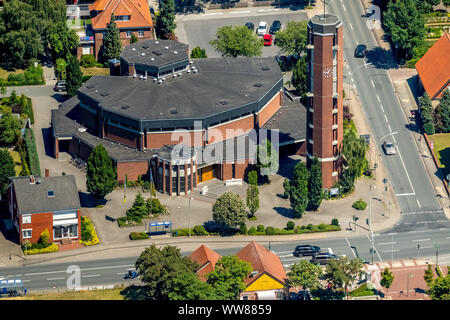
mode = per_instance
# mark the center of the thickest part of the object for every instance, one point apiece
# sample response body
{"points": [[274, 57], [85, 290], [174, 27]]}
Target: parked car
{"points": [[389, 148], [60, 86], [267, 39], [275, 27], [323, 258], [250, 26], [262, 28], [305, 250], [360, 51]]}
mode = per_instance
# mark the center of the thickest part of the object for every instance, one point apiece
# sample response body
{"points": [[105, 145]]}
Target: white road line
{"points": [[385, 118], [393, 138], [350, 25], [353, 250], [98, 268], [286, 255], [382, 109], [373, 84], [344, 7], [405, 194], [50, 279], [352, 79], [386, 243], [390, 130], [404, 167], [447, 237], [378, 97], [26, 280], [278, 252], [418, 203], [427, 247], [387, 251], [285, 260], [91, 275], [420, 240], [212, 14], [233, 12]]}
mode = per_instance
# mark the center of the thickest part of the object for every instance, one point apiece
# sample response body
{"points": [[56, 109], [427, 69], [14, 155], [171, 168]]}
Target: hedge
{"points": [[123, 223], [363, 291], [23, 83], [88, 235], [29, 110], [359, 205], [32, 155], [138, 236], [51, 248]]}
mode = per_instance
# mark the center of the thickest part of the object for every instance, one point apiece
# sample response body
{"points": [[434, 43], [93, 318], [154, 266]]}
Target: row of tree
{"points": [[435, 120], [439, 287]]}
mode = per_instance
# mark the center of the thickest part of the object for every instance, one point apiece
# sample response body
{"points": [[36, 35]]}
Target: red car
{"points": [[267, 39]]}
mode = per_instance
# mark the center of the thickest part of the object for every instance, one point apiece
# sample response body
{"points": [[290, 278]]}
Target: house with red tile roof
{"points": [[206, 258], [434, 68], [268, 279], [132, 17]]}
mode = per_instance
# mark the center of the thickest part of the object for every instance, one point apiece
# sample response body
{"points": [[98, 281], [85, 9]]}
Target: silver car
{"points": [[388, 147]]}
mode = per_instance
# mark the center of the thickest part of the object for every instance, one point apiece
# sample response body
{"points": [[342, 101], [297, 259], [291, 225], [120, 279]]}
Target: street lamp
{"points": [[189, 217], [372, 249], [437, 253]]}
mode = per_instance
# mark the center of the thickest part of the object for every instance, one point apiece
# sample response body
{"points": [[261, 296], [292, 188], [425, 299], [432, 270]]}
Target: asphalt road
{"points": [[198, 30], [406, 172], [111, 271]]}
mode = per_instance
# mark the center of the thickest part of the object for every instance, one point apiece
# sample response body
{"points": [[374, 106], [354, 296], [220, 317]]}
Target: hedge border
{"points": [[32, 155]]}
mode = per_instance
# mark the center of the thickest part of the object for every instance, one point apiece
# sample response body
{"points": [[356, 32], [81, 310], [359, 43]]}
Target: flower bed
{"points": [[88, 235], [50, 248]]}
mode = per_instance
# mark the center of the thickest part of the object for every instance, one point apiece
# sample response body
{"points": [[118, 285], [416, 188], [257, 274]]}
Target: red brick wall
{"points": [[39, 222], [246, 124], [269, 109], [119, 135], [132, 170], [158, 140]]}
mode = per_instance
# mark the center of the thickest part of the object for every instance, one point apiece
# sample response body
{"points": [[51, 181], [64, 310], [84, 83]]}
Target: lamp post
{"points": [[372, 249], [189, 217], [437, 253]]}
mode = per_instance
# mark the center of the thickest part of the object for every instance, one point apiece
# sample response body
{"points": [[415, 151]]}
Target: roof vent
{"points": [[223, 102], [90, 86], [38, 180], [191, 61], [154, 79], [152, 59], [166, 47], [104, 94], [188, 71], [195, 71], [174, 75], [254, 273], [175, 52], [173, 111], [157, 53], [145, 47], [180, 74], [265, 68], [159, 81], [134, 49], [157, 42], [51, 193], [142, 54], [125, 107], [258, 85]]}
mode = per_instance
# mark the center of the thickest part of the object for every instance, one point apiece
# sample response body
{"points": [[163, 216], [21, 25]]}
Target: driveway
{"points": [[198, 30]]}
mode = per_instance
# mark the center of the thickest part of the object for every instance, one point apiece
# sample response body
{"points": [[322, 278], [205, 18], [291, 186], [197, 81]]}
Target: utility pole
{"points": [[437, 253], [418, 249], [372, 249], [189, 217]]}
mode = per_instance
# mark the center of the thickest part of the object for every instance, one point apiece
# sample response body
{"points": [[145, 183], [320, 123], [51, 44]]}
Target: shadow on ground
{"points": [[48, 145], [88, 201], [445, 160], [135, 293], [381, 58], [285, 212]]}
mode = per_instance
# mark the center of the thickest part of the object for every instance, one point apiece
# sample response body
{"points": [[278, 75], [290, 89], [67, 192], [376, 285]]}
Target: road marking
{"points": [[51, 279], [393, 138], [385, 118], [387, 251], [344, 7], [98, 268], [353, 250], [386, 243], [267, 10], [373, 84], [278, 252], [447, 237], [405, 194], [378, 97], [26, 280], [211, 14], [418, 203], [91, 275], [350, 25], [286, 255], [390, 130], [427, 247], [285, 260], [352, 79], [404, 167], [420, 240], [233, 12]]}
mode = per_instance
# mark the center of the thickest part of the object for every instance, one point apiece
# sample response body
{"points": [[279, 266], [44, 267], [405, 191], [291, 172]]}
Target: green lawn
{"points": [[441, 142], [94, 71], [17, 161], [4, 73]]}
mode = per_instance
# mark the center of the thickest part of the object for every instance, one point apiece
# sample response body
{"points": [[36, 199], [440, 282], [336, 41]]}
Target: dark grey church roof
{"points": [[220, 86], [34, 198]]}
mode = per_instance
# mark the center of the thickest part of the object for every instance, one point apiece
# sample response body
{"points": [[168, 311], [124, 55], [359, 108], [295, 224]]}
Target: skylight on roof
{"points": [[51, 193]]}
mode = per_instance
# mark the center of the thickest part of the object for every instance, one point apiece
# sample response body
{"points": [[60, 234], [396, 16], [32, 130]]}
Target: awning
{"points": [[66, 222]]}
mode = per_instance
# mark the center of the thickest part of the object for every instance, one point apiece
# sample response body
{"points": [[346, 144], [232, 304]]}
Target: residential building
{"points": [[39, 203], [433, 68], [132, 17], [324, 134], [176, 121], [206, 259]]}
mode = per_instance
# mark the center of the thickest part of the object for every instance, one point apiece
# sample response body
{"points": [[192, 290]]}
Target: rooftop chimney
{"points": [[47, 173]]}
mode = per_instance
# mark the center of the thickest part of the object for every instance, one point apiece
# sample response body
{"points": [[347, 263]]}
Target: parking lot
{"points": [[199, 32]]}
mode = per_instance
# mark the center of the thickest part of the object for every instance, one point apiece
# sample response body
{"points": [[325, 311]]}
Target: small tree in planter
{"points": [[387, 279]]}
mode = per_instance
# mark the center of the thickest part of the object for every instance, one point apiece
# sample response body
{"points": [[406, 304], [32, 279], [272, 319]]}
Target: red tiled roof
{"points": [[263, 261], [137, 9], [434, 67], [206, 258]]}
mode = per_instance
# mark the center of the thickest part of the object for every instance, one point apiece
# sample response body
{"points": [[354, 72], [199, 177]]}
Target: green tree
{"points": [[187, 286], [25, 170], [440, 288], [287, 188], [386, 279], [6, 169], [158, 269], [3, 88], [9, 129], [198, 53], [315, 190], [112, 46], [165, 22], [292, 40], [404, 25], [446, 3], [138, 209], [299, 77], [428, 276], [267, 159], [426, 114], [234, 41], [228, 276], [45, 237], [343, 271], [74, 76], [299, 189], [354, 152], [100, 173], [304, 274], [60, 68], [63, 41], [229, 210], [253, 178], [442, 114], [252, 199], [133, 39]]}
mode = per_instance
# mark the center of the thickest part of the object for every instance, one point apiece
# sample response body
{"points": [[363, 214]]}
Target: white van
{"points": [[262, 28]]}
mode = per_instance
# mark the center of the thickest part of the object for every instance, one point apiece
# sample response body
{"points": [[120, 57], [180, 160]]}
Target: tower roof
{"points": [[324, 24]]}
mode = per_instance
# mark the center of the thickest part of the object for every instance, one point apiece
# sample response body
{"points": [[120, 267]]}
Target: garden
{"points": [[33, 75]]}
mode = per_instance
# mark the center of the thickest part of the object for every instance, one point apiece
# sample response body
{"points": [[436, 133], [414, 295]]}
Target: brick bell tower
{"points": [[325, 59]]}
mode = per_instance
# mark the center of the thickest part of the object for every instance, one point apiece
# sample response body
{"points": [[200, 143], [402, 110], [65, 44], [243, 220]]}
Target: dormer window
{"points": [[51, 193], [122, 18]]}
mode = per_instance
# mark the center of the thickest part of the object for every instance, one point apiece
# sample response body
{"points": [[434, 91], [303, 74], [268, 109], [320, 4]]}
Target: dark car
{"points": [[60, 86], [250, 26], [275, 27], [360, 51], [305, 250], [323, 258]]}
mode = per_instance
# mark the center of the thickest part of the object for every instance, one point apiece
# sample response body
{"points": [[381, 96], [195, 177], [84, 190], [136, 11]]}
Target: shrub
{"points": [[335, 222], [412, 63], [310, 226], [87, 61], [50, 248], [19, 77], [181, 232], [359, 205], [253, 218], [200, 231], [155, 207], [45, 237], [243, 229], [270, 231], [297, 229], [34, 74], [252, 231], [85, 78], [362, 291], [290, 225], [260, 228], [88, 235], [138, 236], [322, 226]]}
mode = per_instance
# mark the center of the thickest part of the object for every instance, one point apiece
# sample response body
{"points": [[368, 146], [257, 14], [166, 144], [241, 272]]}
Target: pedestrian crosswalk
{"points": [[288, 259]]}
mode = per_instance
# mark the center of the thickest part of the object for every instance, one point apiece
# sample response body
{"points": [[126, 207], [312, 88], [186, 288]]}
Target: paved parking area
{"points": [[199, 32]]}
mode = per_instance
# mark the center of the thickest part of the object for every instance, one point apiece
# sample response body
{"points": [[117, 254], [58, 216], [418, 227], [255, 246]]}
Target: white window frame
{"points": [[128, 33], [141, 33], [23, 235], [27, 220]]}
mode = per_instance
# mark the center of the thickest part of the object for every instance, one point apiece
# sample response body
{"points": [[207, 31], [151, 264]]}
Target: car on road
{"points": [[360, 51], [267, 39], [305, 250], [60, 86], [262, 28], [250, 26], [323, 258], [389, 147], [275, 27]]}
